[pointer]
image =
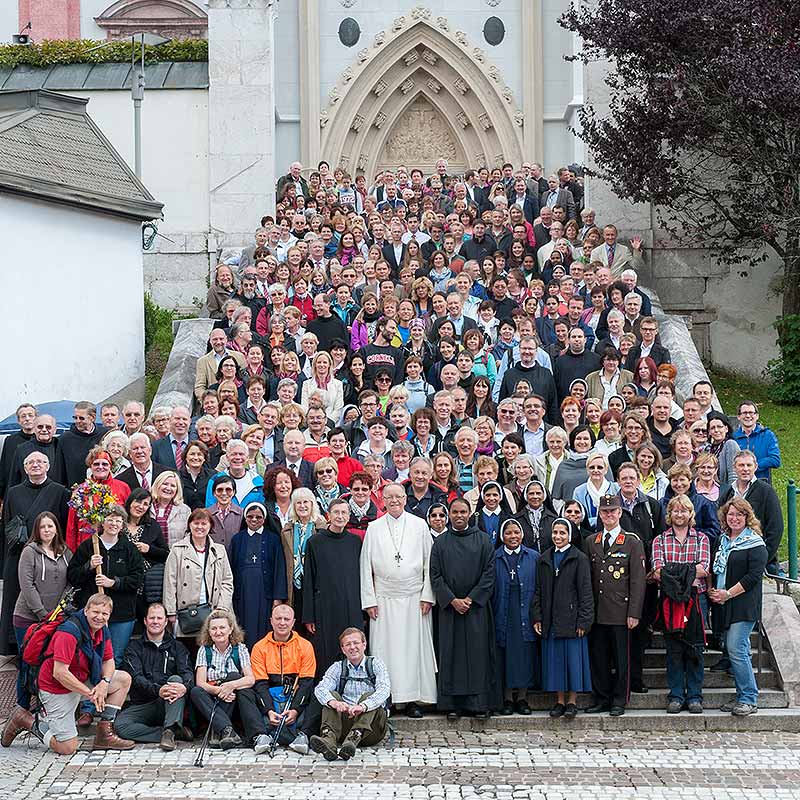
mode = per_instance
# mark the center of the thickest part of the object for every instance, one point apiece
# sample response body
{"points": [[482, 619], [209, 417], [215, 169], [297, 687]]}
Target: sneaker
{"points": [[262, 744], [728, 707], [744, 710], [325, 745], [674, 707], [300, 744], [167, 740], [695, 707], [229, 739], [350, 745]]}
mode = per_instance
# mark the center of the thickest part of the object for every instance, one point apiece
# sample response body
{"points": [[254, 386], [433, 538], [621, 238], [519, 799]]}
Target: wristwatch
{"points": [[107, 680]]}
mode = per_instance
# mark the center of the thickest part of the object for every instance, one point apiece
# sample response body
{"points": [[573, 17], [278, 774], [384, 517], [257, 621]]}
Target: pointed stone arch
{"points": [[423, 60]]}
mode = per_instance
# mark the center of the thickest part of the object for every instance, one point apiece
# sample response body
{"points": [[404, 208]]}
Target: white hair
{"points": [[137, 436], [236, 443]]}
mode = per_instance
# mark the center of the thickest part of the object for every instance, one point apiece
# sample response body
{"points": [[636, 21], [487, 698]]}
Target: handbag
{"points": [[191, 618], [16, 533], [153, 587]]}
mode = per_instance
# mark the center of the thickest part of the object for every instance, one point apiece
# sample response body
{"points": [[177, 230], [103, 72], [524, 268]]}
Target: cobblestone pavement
{"points": [[433, 766]]}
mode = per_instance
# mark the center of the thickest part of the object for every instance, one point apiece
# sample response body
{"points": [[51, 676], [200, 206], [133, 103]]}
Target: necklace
{"points": [[397, 547]]}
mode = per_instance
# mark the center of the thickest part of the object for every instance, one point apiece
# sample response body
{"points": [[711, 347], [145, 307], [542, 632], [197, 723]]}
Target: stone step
{"points": [[656, 678], [767, 719], [656, 698], [657, 640], [657, 658]]}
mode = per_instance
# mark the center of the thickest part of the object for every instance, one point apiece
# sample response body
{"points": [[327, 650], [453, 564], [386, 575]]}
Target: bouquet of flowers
{"points": [[91, 502]]}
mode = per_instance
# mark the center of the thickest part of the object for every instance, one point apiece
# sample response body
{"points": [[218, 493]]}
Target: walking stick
{"points": [[198, 762], [274, 744], [98, 569]]}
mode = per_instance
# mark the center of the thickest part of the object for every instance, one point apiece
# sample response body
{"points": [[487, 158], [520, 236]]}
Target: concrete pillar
{"points": [[310, 153], [241, 117], [532, 81]]}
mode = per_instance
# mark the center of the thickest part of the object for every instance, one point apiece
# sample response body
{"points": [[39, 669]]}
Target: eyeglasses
{"points": [[384, 379], [224, 490], [507, 411], [326, 471]]}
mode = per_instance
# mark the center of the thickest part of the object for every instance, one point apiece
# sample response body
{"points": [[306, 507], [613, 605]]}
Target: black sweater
{"points": [[122, 562], [767, 508], [745, 567]]}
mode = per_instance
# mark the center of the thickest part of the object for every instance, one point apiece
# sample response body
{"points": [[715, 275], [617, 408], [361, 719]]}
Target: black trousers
{"points": [[609, 647], [641, 636], [246, 702]]}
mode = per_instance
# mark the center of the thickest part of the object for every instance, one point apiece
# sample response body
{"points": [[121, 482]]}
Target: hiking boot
{"points": [[728, 707], [229, 739], [106, 739], [300, 744], [21, 720], [85, 720], [744, 710], [167, 740], [695, 707], [325, 744], [348, 749], [674, 707], [184, 734]]}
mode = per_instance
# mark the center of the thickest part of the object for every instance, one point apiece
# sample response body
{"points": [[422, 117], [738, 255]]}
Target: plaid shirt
{"points": [[695, 550], [221, 663]]}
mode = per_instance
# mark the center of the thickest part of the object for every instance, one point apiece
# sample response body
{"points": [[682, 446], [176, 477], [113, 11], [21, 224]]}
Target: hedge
{"points": [[48, 53]]}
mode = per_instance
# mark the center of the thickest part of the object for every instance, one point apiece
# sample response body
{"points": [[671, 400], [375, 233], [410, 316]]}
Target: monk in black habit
{"points": [[332, 585], [37, 493], [462, 576]]}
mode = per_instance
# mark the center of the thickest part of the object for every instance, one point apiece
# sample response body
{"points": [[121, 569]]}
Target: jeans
{"points": [[120, 633], [737, 641], [685, 667], [23, 696]]}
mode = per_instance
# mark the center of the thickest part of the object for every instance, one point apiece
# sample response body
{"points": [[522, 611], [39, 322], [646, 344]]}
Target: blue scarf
{"points": [[78, 626], [746, 540], [300, 537]]}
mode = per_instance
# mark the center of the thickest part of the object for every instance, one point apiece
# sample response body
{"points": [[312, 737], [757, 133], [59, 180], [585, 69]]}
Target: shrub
{"points": [[784, 372]]}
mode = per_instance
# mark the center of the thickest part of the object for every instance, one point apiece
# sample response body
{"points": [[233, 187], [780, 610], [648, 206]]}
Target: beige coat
{"points": [[183, 577], [594, 386], [206, 371]]}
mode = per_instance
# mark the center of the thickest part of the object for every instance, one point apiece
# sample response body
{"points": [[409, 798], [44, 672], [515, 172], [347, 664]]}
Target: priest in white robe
{"points": [[396, 593]]}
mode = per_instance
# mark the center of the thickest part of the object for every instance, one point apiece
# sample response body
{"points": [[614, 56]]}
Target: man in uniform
{"points": [[618, 581]]}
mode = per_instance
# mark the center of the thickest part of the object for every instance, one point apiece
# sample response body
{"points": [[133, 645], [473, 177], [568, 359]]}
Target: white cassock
{"points": [[401, 636]]}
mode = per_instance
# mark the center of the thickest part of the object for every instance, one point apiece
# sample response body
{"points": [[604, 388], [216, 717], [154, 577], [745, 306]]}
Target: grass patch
{"points": [[158, 340], [783, 420]]}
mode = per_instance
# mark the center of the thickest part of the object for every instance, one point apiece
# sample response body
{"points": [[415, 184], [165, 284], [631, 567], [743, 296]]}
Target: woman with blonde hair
{"points": [[588, 494], [304, 521], [292, 417], [168, 509], [652, 480], [323, 383], [738, 570], [706, 469], [224, 681]]}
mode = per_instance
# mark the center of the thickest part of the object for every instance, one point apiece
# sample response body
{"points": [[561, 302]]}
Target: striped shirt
{"points": [[359, 685]]}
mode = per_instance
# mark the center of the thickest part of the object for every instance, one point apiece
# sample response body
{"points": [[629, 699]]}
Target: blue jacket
{"points": [[528, 560], [764, 444]]}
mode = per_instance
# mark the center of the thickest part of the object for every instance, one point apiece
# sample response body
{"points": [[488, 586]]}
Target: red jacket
{"points": [[306, 306], [79, 531]]}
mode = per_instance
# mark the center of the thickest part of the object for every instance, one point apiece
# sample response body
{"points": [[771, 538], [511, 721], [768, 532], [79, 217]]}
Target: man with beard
{"points": [[462, 576], [331, 577]]}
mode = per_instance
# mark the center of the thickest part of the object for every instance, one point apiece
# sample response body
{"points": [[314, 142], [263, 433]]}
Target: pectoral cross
{"points": [[254, 557], [398, 558], [513, 574]]}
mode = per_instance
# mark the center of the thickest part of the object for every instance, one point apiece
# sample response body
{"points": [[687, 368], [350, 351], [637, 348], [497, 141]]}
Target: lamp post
{"points": [[137, 89]]}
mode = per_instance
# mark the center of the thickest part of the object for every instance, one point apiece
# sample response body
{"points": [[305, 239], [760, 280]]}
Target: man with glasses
{"points": [[506, 420], [75, 444], [539, 380], [649, 345], [133, 414], [396, 553], [534, 408], [760, 440], [44, 441]]}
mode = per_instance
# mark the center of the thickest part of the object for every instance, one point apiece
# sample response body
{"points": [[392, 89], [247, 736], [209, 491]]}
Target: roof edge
{"points": [[141, 210], [43, 100]]}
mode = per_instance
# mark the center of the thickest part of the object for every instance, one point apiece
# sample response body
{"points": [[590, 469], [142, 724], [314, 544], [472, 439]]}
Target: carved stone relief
{"points": [[420, 135]]}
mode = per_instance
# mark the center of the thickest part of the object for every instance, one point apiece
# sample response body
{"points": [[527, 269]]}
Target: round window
{"points": [[494, 31], [349, 32]]}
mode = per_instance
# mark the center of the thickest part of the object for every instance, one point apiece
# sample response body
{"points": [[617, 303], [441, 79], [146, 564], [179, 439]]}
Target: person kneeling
{"points": [[353, 693], [80, 651], [161, 678], [224, 680]]}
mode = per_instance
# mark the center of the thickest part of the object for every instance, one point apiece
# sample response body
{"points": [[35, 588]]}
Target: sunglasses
{"points": [[326, 471], [224, 490]]}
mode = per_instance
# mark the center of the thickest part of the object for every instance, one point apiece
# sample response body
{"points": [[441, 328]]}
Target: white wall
{"points": [[73, 322], [9, 20], [174, 148], [89, 10]]}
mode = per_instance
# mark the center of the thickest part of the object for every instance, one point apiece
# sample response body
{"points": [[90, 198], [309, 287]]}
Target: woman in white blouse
{"points": [[322, 382]]}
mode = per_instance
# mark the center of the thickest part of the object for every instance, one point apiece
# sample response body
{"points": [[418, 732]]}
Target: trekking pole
{"points": [[198, 762], [274, 743]]}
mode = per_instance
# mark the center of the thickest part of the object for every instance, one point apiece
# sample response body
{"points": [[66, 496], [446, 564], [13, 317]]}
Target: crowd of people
{"points": [[434, 411]]}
